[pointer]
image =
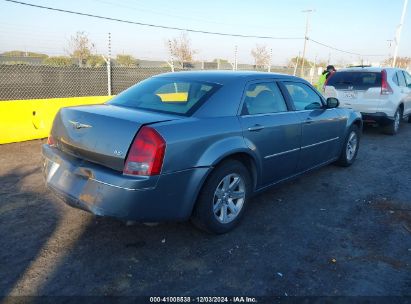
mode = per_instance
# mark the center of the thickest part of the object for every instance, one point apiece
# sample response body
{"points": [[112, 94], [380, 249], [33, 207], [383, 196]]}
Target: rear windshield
{"points": [[355, 80], [166, 95]]}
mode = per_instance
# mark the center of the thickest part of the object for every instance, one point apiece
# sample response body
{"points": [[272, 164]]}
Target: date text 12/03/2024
{"points": [[203, 300]]}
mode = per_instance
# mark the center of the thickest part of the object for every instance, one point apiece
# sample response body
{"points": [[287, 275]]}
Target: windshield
{"points": [[355, 80], [167, 95]]}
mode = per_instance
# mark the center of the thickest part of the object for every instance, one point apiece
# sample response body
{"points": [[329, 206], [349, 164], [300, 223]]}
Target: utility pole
{"points": [[296, 64], [307, 23], [312, 72], [389, 50], [398, 34]]}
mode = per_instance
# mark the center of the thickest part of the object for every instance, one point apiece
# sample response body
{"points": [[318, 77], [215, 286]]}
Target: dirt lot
{"points": [[334, 231]]}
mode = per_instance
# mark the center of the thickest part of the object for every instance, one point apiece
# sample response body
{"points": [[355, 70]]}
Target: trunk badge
{"points": [[118, 152], [77, 125]]}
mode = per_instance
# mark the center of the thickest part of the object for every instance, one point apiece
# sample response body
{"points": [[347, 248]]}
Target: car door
{"points": [[271, 130], [322, 128], [404, 80]]}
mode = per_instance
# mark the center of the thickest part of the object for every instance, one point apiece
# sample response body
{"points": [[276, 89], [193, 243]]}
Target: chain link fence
{"points": [[32, 81]]}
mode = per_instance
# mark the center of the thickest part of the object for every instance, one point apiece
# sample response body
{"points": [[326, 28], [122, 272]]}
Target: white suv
{"points": [[382, 95]]}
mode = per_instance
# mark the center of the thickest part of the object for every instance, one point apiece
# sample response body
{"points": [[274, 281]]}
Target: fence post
{"points": [[108, 64], [271, 60], [109, 76]]}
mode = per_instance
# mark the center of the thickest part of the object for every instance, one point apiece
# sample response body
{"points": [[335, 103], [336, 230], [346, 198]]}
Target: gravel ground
{"points": [[335, 231]]}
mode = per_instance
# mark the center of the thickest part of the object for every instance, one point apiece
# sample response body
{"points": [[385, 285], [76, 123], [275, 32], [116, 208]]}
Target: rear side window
{"points": [[395, 79], [261, 98], [355, 80], [166, 95], [401, 79], [408, 79], [303, 97]]}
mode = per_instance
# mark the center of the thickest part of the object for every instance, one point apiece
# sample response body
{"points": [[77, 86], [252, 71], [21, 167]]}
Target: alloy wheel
{"points": [[229, 198], [351, 145]]}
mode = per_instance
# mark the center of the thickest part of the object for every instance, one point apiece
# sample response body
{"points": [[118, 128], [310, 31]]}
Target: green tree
{"points": [[180, 48], [261, 56], [307, 64], [61, 61], [126, 60], [95, 61], [80, 47]]}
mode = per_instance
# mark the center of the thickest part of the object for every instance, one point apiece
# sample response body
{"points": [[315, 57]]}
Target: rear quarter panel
{"points": [[200, 142]]}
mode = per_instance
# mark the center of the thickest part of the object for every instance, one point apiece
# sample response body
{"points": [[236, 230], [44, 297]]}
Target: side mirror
{"points": [[332, 103]]}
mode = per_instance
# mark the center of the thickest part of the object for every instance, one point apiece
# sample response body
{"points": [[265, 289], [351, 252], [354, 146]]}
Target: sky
{"points": [[359, 26]]}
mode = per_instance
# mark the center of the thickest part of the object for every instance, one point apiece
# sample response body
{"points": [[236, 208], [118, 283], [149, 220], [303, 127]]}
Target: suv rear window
{"points": [[355, 80], [167, 95]]}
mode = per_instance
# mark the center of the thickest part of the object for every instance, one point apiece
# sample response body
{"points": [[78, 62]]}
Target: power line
{"points": [[342, 51], [187, 29], [152, 25]]}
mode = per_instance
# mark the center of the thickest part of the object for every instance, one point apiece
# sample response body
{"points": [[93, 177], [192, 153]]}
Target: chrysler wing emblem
{"points": [[77, 125]]}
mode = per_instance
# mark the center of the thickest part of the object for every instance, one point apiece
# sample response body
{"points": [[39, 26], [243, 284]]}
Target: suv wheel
{"points": [[223, 198], [409, 118], [393, 127], [350, 147]]}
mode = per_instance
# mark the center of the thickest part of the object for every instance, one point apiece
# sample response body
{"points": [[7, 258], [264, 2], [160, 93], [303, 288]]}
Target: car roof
{"points": [[218, 76], [366, 69]]}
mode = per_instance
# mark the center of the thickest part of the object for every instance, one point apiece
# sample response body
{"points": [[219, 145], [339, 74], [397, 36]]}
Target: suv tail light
{"points": [[146, 153], [385, 86], [50, 141]]}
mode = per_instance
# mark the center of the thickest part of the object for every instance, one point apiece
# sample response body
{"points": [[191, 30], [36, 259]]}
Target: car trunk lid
{"points": [[102, 133]]}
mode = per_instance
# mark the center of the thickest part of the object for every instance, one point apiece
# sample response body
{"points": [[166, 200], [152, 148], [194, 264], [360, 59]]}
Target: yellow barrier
{"points": [[173, 97], [22, 120]]}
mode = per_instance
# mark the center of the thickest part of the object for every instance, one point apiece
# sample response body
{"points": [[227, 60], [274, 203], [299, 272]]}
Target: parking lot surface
{"points": [[334, 231]]}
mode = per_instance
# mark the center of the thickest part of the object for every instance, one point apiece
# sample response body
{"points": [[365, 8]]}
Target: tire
{"points": [[216, 203], [393, 126], [350, 148], [409, 118]]}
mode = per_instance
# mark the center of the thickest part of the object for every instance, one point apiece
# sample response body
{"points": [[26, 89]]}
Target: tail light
{"points": [[385, 86], [146, 153], [51, 141]]}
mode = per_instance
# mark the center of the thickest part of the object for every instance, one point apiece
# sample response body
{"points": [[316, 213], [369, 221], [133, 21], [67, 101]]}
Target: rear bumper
{"points": [[378, 117], [106, 192]]}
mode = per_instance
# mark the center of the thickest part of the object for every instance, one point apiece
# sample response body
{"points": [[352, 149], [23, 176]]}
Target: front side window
{"points": [[303, 97], [261, 98], [165, 95]]}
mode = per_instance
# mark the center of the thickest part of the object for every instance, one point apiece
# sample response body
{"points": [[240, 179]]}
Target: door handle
{"points": [[255, 128], [308, 120]]}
